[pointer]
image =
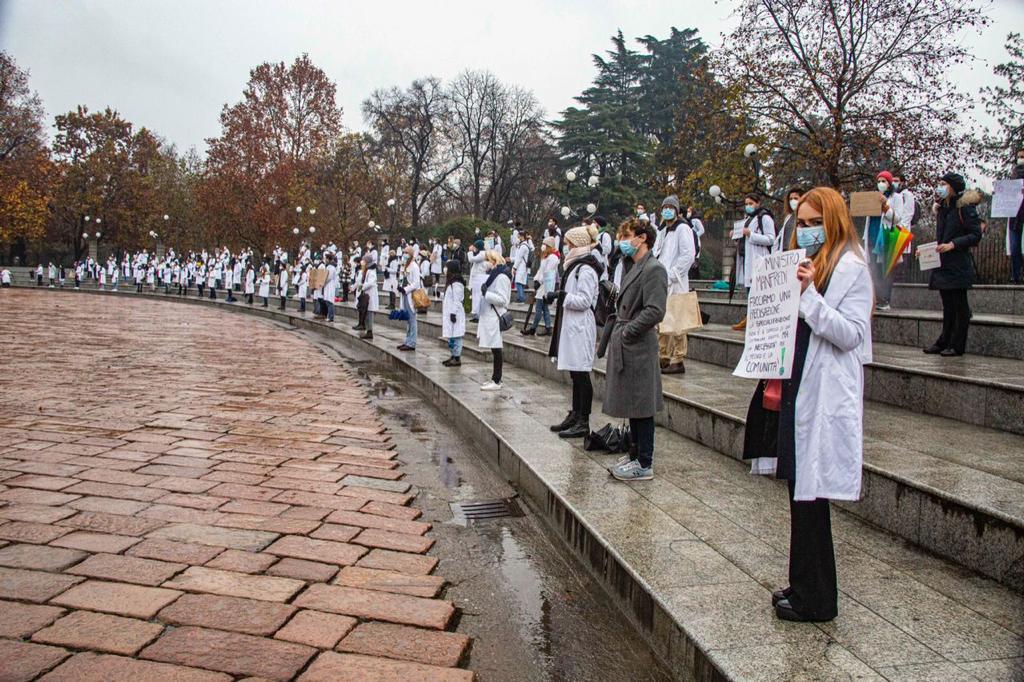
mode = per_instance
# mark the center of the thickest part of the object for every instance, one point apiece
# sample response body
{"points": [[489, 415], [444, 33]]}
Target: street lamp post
{"points": [[391, 208]]}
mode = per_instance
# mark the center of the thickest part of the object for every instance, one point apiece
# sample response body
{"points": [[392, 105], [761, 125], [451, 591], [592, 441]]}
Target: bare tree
{"points": [[822, 79], [415, 121]]}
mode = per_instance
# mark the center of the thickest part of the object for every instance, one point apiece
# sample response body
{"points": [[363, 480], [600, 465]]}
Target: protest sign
{"points": [[317, 278], [737, 229], [927, 256], [1007, 197], [865, 204], [772, 311]]}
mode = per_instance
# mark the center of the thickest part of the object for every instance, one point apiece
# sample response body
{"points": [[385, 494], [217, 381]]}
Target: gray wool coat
{"points": [[633, 375]]}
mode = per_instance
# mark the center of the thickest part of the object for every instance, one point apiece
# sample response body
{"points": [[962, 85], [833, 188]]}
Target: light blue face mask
{"points": [[668, 213], [627, 249], [750, 209], [942, 191], [810, 238]]}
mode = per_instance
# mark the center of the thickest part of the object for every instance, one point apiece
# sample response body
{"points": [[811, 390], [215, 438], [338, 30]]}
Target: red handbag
{"points": [[772, 399]]}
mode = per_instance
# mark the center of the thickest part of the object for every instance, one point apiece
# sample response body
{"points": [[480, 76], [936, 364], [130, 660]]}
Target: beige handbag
{"points": [[682, 314]]}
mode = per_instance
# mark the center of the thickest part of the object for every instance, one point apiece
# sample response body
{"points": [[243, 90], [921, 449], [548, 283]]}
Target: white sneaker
{"points": [[622, 461], [632, 471], [490, 386]]}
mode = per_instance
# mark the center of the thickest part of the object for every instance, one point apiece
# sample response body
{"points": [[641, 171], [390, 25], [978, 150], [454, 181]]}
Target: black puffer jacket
{"points": [[957, 222]]}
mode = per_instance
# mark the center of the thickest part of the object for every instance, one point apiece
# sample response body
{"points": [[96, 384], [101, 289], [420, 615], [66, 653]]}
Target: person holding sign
{"points": [[957, 229], [1015, 227], [808, 429]]}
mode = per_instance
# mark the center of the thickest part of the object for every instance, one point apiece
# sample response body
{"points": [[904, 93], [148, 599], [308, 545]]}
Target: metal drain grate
{"points": [[482, 510]]}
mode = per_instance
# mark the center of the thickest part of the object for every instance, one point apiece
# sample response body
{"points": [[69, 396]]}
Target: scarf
{"points": [[493, 275], [589, 260], [577, 252]]}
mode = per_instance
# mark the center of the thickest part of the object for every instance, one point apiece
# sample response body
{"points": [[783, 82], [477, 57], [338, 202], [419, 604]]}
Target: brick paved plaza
{"points": [[188, 495]]}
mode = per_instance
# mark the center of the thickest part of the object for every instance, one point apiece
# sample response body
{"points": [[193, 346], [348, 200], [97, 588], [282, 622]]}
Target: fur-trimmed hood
{"points": [[971, 197]]}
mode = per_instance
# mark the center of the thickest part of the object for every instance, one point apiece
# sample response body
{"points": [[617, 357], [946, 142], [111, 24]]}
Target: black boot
{"points": [[529, 331], [569, 420], [579, 429]]}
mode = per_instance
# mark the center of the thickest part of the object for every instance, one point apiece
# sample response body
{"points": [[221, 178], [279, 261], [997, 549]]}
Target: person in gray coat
{"points": [[633, 375]]}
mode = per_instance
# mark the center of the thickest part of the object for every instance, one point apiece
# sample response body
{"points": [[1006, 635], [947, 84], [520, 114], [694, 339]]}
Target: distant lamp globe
{"points": [[166, 217], [592, 181], [570, 176], [750, 150], [566, 211], [98, 221], [298, 209], [591, 209], [312, 211], [312, 230], [371, 224], [391, 203], [97, 235], [85, 235], [715, 191], [295, 230]]}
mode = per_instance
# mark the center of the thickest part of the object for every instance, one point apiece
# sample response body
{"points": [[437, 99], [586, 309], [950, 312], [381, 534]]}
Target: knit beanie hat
{"points": [[479, 244], [885, 175], [550, 242], [671, 200], [956, 181], [584, 235]]}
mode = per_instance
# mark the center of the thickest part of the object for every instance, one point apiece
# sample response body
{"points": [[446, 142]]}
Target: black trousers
{"points": [[956, 318], [812, 560], [284, 302], [641, 430], [496, 362], [582, 393]]}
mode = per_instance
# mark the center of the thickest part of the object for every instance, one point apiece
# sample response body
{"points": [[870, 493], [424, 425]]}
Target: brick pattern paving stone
{"points": [[219, 520]]}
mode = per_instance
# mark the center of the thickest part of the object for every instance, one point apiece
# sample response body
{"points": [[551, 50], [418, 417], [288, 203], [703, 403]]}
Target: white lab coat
{"points": [[435, 260], [521, 254], [492, 304], [250, 281], [603, 251], [757, 245], [452, 302], [303, 287], [676, 251], [477, 276], [547, 276], [901, 214], [331, 285], [282, 282], [829, 434], [413, 281], [369, 287], [265, 285], [577, 336]]}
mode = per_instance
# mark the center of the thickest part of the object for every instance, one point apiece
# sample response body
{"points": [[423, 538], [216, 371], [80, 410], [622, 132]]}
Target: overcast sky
{"points": [[172, 65]]}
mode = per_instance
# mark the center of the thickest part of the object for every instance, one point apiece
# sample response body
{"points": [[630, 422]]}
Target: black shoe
{"points": [[674, 368], [456, 362], [404, 347], [785, 611], [367, 335], [529, 331], [544, 332], [577, 430], [779, 595], [950, 353], [934, 349], [569, 420], [359, 328]]}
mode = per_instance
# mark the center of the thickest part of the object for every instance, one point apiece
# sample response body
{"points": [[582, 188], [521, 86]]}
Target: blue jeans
{"points": [[410, 329], [541, 308], [455, 346], [329, 304], [520, 292]]}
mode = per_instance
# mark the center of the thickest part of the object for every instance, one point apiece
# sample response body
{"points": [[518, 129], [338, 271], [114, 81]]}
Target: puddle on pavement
{"points": [[525, 583]]}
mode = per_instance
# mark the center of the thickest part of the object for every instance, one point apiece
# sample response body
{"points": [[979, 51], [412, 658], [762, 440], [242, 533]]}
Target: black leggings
{"points": [[812, 561], [582, 393], [641, 430], [496, 361]]}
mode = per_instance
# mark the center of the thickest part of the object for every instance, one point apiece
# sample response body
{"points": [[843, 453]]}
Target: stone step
{"points": [[990, 334], [955, 488], [982, 390]]}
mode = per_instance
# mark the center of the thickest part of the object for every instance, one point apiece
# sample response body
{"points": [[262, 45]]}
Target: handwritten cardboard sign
{"points": [[865, 204], [772, 310]]}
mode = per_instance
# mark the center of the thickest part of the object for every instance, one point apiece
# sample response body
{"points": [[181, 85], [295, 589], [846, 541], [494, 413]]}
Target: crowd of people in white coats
{"points": [[601, 292]]}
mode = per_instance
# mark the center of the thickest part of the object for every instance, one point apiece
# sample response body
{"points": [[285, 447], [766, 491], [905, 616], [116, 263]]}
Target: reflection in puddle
{"points": [[533, 617], [448, 473]]}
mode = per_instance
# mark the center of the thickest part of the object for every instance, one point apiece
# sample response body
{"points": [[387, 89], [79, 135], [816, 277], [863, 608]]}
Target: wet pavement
{"points": [[196, 496], [533, 612]]}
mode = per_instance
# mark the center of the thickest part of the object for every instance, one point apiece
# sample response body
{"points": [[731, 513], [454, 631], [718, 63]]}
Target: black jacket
{"points": [[957, 222]]}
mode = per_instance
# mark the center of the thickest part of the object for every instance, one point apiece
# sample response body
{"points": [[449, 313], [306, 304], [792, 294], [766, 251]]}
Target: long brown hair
{"points": [[840, 235]]}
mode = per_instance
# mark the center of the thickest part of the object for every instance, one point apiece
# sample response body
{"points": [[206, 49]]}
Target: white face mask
{"points": [[1020, 161], [883, 186], [793, 203]]}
